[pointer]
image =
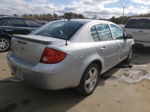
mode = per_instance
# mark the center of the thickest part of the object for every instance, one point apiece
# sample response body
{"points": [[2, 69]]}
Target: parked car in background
{"points": [[122, 26], [139, 28], [42, 21], [67, 54], [14, 25]]}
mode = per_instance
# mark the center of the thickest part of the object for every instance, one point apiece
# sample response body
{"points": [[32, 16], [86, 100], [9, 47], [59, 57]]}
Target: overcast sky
{"points": [[90, 8]]}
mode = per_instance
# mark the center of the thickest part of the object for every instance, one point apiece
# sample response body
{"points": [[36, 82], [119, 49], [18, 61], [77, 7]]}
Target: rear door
{"points": [[106, 46], [123, 45], [139, 28]]}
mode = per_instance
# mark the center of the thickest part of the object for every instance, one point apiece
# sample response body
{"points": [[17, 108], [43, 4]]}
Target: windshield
{"points": [[60, 29]]}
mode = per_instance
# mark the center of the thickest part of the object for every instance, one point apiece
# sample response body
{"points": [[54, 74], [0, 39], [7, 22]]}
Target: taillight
{"points": [[52, 56]]}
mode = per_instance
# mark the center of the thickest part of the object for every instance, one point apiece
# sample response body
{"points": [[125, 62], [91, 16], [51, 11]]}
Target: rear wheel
{"points": [[4, 44], [89, 80]]}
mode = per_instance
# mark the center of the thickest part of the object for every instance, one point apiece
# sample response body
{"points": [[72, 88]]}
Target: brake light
{"points": [[52, 56]]}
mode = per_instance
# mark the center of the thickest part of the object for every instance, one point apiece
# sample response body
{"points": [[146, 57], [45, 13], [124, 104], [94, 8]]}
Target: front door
{"points": [[122, 44]]}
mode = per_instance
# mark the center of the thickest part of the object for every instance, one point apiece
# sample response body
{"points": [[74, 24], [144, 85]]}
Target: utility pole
{"points": [[123, 12], [123, 9], [53, 14]]}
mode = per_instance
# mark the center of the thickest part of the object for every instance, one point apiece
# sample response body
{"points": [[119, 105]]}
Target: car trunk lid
{"points": [[31, 47]]}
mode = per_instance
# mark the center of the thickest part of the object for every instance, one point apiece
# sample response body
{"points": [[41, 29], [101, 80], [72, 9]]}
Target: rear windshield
{"points": [[138, 24], [60, 29]]}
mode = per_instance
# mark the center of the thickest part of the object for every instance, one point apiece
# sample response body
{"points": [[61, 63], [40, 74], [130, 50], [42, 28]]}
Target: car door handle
{"points": [[103, 49], [9, 30]]}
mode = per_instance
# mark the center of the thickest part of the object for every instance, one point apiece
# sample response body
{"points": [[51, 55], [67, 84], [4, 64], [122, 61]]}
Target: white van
{"points": [[139, 28]]}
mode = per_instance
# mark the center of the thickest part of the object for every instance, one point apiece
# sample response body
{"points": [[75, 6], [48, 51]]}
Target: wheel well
{"points": [[6, 36], [99, 63], [95, 61]]}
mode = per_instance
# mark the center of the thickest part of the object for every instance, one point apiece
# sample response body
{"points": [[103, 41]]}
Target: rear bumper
{"points": [[46, 76], [143, 43]]}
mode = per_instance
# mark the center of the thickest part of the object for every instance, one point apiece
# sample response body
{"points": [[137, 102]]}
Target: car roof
{"points": [[86, 20], [12, 17]]}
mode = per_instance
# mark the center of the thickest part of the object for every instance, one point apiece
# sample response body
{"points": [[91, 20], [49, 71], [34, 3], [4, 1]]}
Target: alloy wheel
{"points": [[91, 79], [4, 44]]}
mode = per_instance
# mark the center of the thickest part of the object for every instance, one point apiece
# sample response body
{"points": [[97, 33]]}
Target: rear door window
{"points": [[138, 24], [104, 32], [101, 32]]}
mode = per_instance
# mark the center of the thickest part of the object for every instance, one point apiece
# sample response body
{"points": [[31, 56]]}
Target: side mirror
{"points": [[128, 36]]}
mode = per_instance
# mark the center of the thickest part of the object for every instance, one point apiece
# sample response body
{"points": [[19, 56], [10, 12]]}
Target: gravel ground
{"points": [[119, 90]]}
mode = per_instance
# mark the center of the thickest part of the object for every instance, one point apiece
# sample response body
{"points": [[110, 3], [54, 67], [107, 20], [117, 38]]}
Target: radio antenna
{"points": [[64, 17]]}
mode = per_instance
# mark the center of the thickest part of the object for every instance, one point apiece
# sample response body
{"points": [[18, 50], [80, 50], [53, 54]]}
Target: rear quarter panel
{"points": [[83, 53]]}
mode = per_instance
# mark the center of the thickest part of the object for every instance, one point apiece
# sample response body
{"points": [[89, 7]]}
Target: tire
{"points": [[89, 80], [4, 44], [130, 56]]}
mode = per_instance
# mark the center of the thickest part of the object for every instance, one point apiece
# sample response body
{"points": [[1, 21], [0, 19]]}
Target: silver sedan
{"points": [[69, 54]]}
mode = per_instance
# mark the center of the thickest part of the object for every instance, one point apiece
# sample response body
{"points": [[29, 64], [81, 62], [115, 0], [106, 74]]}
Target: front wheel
{"points": [[4, 44], [89, 80]]}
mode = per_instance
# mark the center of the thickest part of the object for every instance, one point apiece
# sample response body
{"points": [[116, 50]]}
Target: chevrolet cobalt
{"points": [[69, 54]]}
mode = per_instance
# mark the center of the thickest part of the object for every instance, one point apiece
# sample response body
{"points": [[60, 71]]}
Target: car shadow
{"points": [[18, 97], [107, 75], [141, 56]]}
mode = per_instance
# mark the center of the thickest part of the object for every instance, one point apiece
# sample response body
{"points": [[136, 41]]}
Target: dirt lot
{"points": [[119, 90]]}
